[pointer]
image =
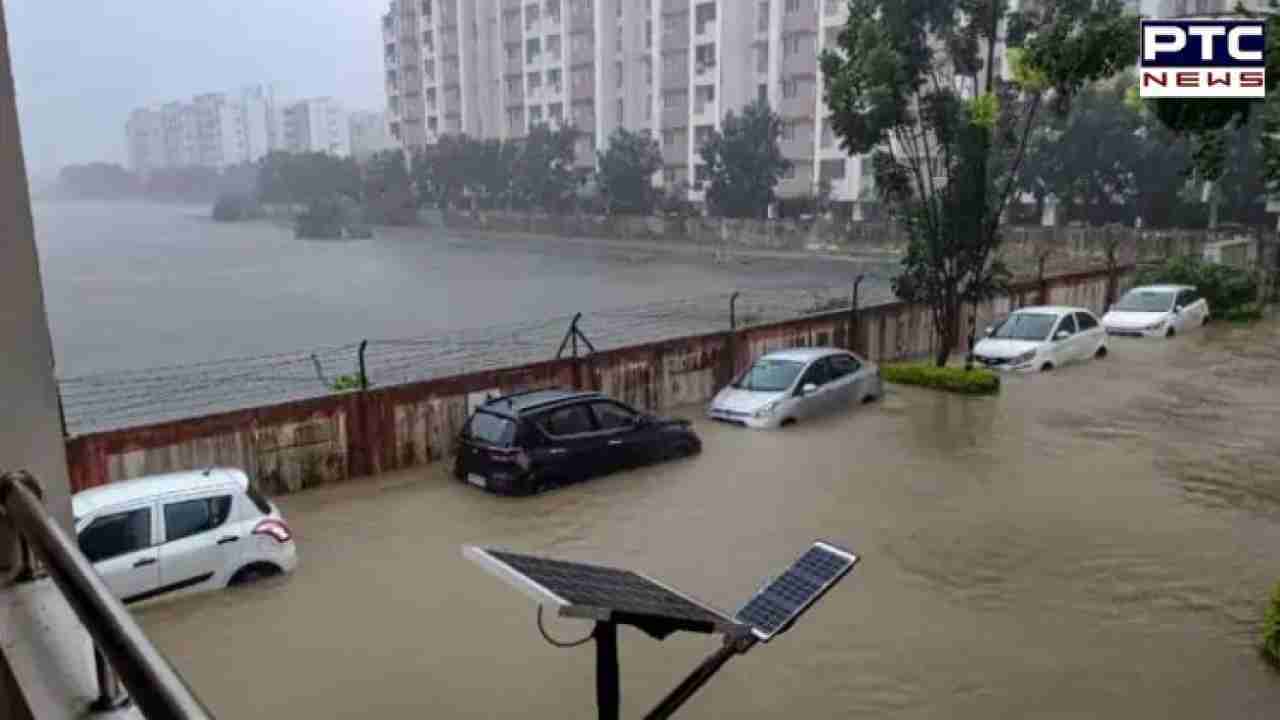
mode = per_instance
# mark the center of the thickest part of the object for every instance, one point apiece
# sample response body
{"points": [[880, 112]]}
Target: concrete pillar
{"points": [[30, 425]]}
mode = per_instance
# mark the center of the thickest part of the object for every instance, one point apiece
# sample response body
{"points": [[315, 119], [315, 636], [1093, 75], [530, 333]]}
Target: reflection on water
{"points": [[1095, 542]]}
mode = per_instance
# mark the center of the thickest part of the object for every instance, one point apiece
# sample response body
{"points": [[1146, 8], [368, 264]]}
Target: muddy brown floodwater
{"points": [[1095, 542]]}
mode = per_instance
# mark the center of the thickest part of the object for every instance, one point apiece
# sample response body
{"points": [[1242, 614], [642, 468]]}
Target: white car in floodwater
{"points": [[181, 532], [786, 386], [1042, 338], [1157, 311]]}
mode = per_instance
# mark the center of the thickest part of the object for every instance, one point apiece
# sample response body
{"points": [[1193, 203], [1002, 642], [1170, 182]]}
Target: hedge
{"points": [[1225, 287], [1243, 314], [950, 379], [1271, 628]]}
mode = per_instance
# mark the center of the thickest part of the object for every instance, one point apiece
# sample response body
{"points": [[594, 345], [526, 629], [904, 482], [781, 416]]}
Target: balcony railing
{"points": [[122, 653]]}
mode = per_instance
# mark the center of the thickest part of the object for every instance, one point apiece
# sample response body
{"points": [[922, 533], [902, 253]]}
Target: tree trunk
{"points": [[948, 333]]}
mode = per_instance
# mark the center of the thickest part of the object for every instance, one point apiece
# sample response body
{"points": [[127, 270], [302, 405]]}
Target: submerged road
{"points": [[1095, 542]]}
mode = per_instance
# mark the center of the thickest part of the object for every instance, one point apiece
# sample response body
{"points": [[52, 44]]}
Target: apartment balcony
{"points": [[675, 116], [705, 72], [581, 21], [676, 76], [802, 63], [800, 106], [806, 18], [581, 53]]}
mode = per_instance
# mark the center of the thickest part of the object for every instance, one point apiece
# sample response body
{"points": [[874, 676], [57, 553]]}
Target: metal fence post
{"points": [[111, 693], [853, 314], [364, 377]]}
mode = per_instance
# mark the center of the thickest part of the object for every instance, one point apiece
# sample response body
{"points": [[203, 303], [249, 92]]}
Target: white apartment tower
{"points": [[316, 125], [213, 130], [144, 133], [495, 68], [369, 134]]}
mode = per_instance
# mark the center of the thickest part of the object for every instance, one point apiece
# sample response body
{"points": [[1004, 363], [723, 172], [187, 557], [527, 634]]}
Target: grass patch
{"points": [[1271, 629], [1243, 314], [950, 379]]}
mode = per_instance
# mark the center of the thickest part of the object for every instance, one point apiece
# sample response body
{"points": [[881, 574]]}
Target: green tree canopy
{"points": [[544, 177], [626, 172], [915, 83], [744, 162], [388, 192]]}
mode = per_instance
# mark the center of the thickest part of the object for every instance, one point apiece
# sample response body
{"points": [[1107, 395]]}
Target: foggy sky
{"points": [[81, 66]]}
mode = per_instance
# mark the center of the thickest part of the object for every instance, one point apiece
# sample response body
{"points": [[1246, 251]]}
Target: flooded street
{"points": [[1095, 542]]}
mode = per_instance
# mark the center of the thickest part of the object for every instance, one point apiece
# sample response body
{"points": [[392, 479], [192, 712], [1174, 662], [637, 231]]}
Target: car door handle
{"points": [[615, 442], [556, 451], [228, 539], [144, 562]]}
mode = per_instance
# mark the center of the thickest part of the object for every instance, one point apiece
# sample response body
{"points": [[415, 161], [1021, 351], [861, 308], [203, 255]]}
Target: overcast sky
{"points": [[82, 65]]}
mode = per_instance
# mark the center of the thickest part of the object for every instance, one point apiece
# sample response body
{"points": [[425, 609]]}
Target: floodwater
{"points": [[1095, 542], [132, 286]]}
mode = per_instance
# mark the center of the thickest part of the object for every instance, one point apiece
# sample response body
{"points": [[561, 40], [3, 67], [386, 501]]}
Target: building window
{"points": [[648, 34], [513, 86], [762, 93], [831, 170], [704, 58], [428, 41], [556, 111], [553, 11], [648, 106], [532, 49], [703, 96], [581, 42], [621, 112], [535, 82], [553, 80], [762, 58], [618, 73], [429, 69], [431, 99], [582, 78], [762, 23], [535, 115], [553, 47], [513, 52], [619, 35], [790, 173], [701, 135], [791, 44], [647, 64], [793, 6], [671, 137], [701, 175], [530, 16], [704, 15], [831, 7], [672, 99]]}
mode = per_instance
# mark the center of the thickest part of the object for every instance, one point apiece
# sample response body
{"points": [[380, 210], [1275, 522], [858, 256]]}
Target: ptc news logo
{"points": [[1203, 59]]}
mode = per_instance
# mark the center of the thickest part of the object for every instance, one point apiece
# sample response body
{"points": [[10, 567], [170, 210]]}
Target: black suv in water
{"points": [[527, 442]]}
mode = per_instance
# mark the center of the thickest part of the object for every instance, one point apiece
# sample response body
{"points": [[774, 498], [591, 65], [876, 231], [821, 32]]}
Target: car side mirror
{"points": [[808, 389], [988, 331], [1061, 335]]}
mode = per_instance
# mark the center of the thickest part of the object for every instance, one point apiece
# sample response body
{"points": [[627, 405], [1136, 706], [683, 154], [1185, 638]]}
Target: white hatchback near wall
{"points": [[1157, 311], [1042, 338], [180, 533]]}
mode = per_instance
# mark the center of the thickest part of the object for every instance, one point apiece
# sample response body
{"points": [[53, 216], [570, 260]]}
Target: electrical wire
{"points": [[560, 643]]}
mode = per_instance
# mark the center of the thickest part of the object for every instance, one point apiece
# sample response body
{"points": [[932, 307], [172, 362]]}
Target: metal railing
{"points": [[122, 653]]}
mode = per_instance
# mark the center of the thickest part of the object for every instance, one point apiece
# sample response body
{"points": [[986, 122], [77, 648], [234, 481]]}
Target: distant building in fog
{"points": [[212, 130], [1178, 8], [369, 134], [316, 125]]}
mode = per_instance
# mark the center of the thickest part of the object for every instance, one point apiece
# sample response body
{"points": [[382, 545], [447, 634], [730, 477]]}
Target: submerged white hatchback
{"points": [[1042, 338], [786, 386], [1156, 311], [180, 533]]}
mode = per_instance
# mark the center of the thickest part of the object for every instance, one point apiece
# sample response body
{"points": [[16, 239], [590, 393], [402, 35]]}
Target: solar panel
{"points": [[572, 584], [776, 606]]}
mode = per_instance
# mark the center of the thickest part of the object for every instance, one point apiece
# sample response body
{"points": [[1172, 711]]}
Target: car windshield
{"points": [[1025, 326], [769, 375], [1145, 301]]}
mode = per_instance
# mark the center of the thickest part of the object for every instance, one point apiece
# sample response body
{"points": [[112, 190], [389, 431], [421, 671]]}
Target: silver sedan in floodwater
{"points": [[786, 386]]}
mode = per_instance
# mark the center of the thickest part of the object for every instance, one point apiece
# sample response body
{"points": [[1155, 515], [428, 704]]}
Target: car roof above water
{"points": [[517, 403], [1051, 310], [1162, 288], [87, 502], [803, 354]]}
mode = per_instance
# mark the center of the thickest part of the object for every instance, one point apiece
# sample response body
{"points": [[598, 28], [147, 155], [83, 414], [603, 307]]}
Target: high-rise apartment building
{"points": [[212, 130], [1180, 8], [316, 125], [494, 68], [369, 134]]}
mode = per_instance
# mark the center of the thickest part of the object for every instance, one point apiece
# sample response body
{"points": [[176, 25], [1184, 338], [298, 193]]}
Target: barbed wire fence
{"points": [[116, 400]]}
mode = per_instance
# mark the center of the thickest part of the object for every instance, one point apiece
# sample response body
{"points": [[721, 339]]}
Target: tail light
{"points": [[511, 455], [275, 529]]}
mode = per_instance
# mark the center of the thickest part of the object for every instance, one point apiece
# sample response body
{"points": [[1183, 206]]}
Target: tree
{"points": [[744, 162], [914, 83], [543, 176], [292, 178], [490, 166], [97, 181], [388, 195], [626, 172]]}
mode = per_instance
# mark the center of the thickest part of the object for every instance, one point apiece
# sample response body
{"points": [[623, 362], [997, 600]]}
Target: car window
{"points": [[841, 365], [112, 535], [1068, 325], [769, 375], [1085, 321], [611, 416], [492, 429], [818, 373], [571, 420], [1186, 297], [190, 517], [258, 500], [1145, 301], [1023, 326]]}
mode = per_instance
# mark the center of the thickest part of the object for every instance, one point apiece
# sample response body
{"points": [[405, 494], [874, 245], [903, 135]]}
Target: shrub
{"points": [[322, 219], [1225, 287], [342, 383], [234, 207], [1243, 314], [1271, 628], [950, 379]]}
